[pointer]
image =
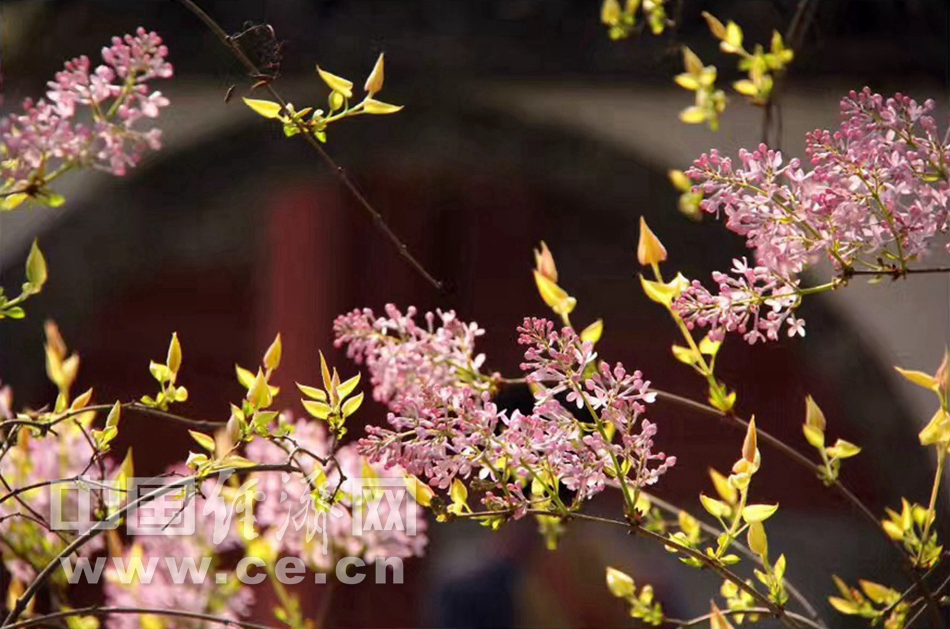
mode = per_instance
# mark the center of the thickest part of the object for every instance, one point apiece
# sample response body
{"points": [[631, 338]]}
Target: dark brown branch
{"points": [[253, 70]]}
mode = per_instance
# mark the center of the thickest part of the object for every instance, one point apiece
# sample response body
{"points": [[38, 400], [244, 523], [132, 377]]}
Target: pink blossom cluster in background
{"points": [[447, 427], [290, 522], [89, 116], [876, 195], [213, 536], [30, 466]]}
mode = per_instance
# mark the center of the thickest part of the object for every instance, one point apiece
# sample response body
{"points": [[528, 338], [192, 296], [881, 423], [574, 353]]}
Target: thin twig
{"points": [[253, 70], [114, 611], [684, 624]]}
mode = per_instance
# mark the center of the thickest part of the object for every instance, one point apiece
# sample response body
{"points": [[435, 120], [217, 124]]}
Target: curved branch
{"points": [[111, 611]]}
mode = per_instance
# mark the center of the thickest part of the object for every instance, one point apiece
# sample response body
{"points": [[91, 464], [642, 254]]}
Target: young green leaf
{"points": [[36, 272]]}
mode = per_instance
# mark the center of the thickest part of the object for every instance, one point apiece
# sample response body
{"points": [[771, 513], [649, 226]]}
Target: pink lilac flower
{"points": [[41, 459], [288, 519], [875, 197], [616, 396], [752, 301], [47, 136], [405, 358], [445, 428], [159, 545]]}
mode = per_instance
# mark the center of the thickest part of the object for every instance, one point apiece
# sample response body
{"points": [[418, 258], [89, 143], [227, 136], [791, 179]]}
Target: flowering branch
{"points": [[252, 69]]}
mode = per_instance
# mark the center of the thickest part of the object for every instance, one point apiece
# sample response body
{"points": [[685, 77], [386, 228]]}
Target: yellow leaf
{"points": [[82, 401], [313, 392], [709, 347], [544, 262], [420, 492], [273, 354], [325, 373], [758, 513], [813, 415], [244, 376], [732, 42], [374, 82], [36, 272], [691, 62], [554, 296], [716, 619], [125, 473], [726, 491], [937, 430], [266, 108], [687, 81], [649, 248], [715, 26], [347, 387], [173, 362], [320, 410], [679, 180], [843, 450], [14, 200], [352, 405], [620, 584], [919, 378], [259, 394], [205, 441], [746, 88], [843, 606], [593, 332], [336, 83], [610, 12], [758, 541], [878, 593], [685, 355], [693, 115], [814, 436], [373, 106], [660, 293], [750, 444], [458, 493], [715, 508]]}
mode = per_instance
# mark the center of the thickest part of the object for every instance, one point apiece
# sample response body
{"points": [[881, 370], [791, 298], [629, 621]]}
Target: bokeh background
{"points": [[523, 122]]}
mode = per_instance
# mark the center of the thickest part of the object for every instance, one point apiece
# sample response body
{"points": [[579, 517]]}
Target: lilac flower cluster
{"points": [[405, 359], [875, 197], [24, 522], [46, 138], [565, 361], [212, 536], [448, 427]]}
